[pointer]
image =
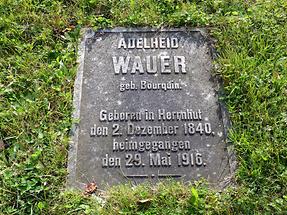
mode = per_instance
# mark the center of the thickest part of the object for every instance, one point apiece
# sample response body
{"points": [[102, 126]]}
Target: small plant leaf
{"points": [[194, 197]]}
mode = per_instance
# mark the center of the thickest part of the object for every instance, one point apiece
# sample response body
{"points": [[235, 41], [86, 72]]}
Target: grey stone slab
{"points": [[147, 110]]}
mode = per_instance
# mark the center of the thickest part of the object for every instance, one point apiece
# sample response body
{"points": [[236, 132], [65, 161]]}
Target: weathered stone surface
{"points": [[148, 109]]}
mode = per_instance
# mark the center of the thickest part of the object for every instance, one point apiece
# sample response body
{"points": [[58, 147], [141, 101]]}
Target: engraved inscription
{"points": [[149, 65], [109, 161], [159, 152], [148, 43], [119, 116], [99, 131], [151, 145], [160, 115], [187, 115], [148, 85], [159, 160], [189, 123], [158, 130]]}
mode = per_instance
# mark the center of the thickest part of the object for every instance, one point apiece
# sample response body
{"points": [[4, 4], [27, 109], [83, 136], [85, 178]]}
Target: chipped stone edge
{"points": [[87, 33], [74, 135], [229, 179]]}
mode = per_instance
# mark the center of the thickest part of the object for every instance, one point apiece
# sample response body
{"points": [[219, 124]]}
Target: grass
{"points": [[38, 46]]}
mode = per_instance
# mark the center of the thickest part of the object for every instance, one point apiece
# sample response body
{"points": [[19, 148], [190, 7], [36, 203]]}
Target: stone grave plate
{"points": [[147, 109]]}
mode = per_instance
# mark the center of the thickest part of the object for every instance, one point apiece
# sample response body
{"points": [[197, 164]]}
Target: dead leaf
{"points": [[276, 75], [143, 201], [71, 27], [90, 188], [2, 145]]}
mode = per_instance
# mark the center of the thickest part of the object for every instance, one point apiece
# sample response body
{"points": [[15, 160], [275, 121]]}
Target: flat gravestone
{"points": [[147, 110]]}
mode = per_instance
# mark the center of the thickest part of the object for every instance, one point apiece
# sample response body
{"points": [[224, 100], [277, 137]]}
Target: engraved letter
{"points": [[121, 64], [154, 159], [164, 65], [131, 43], [174, 42], [137, 66], [139, 43], [103, 115], [146, 45], [161, 42], [151, 67], [179, 61], [122, 44], [154, 43]]}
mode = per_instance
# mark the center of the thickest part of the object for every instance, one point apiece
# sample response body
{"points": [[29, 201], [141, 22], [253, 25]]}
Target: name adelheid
{"points": [[148, 43]]}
